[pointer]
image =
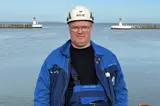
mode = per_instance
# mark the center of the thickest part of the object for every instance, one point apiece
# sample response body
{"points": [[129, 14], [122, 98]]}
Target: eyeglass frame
{"points": [[83, 28]]}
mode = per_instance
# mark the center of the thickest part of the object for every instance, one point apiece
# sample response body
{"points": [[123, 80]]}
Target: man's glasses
{"points": [[83, 28]]}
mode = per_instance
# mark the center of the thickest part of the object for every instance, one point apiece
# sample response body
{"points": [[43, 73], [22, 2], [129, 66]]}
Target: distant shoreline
{"points": [[56, 22]]}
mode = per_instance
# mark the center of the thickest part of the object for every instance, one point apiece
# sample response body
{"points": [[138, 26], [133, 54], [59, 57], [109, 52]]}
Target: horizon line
{"points": [[94, 22]]}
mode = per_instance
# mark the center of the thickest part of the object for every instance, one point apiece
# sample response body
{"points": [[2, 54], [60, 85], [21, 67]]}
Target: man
{"points": [[80, 72]]}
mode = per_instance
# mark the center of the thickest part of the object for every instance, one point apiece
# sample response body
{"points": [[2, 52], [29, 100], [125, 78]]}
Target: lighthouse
{"points": [[120, 22], [35, 23], [120, 25]]}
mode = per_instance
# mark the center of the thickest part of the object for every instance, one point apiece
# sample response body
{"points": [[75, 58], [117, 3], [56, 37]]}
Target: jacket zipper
{"points": [[68, 61], [97, 62]]}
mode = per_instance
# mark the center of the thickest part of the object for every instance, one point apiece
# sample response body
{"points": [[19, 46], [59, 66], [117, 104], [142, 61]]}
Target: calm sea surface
{"points": [[22, 52]]}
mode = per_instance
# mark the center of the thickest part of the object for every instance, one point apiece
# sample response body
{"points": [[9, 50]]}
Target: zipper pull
{"points": [[113, 80]]}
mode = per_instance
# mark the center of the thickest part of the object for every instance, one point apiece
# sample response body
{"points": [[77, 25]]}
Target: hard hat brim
{"points": [[73, 20]]}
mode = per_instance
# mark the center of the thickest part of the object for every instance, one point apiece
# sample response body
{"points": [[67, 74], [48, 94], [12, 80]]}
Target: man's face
{"points": [[80, 33]]}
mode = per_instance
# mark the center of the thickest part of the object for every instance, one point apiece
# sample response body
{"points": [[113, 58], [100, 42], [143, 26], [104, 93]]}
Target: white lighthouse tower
{"points": [[35, 23], [120, 22]]}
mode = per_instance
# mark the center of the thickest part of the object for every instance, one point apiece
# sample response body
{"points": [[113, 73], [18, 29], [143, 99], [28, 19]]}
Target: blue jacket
{"points": [[51, 91]]}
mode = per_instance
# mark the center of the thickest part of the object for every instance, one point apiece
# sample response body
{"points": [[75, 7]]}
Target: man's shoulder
{"points": [[54, 53], [109, 57], [104, 50], [56, 56]]}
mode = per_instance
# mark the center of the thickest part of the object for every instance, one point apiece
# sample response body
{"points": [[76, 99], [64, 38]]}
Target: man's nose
{"points": [[80, 30]]}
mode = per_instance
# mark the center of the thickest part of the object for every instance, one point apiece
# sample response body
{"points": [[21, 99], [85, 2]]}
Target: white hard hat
{"points": [[80, 13]]}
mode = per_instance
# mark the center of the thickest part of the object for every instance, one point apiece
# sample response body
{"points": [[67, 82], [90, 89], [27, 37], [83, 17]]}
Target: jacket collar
{"points": [[65, 49]]}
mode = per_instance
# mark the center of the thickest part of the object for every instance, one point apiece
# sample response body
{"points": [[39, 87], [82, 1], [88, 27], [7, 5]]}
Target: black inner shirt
{"points": [[82, 61]]}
